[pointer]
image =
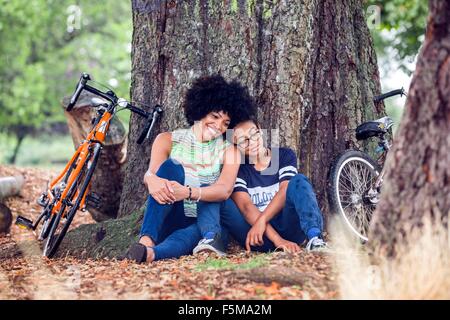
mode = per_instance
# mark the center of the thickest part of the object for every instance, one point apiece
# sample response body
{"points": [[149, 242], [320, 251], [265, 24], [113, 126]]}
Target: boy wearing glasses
{"points": [[272, 206]]}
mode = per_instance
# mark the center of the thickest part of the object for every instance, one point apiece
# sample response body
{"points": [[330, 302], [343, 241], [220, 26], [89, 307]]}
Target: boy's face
{"points": [[248, 137], [214, 124]]}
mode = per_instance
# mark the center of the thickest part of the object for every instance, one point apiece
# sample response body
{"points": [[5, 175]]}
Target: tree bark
{"points": [[108, 177], [309, 64], [417, 183]]}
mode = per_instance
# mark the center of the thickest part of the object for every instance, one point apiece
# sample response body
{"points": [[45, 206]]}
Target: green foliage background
{"points": [[405, 21], [41, 58], [45, 45]]}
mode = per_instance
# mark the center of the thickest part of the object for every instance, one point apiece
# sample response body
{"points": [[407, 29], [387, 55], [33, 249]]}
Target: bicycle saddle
{"points": [[373, 128]]}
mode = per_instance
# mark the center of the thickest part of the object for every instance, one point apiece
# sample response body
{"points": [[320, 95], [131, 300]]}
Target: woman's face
{"points": [[214, 124], [248, 137]]}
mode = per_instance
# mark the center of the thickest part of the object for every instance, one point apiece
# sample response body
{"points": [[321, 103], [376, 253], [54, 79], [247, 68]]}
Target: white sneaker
{"points": [[316, 244], [212, 245]]}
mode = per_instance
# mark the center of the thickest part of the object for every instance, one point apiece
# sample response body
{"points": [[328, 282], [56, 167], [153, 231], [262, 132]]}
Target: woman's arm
{"points": [[222, 188], [159, 188]]}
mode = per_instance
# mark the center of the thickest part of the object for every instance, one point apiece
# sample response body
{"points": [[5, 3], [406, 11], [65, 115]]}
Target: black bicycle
{"points": [[356, 179]]}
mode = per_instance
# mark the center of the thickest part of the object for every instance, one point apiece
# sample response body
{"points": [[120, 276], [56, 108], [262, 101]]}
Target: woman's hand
{"points": [[256, 233], [287, 245], [160, 189], [180, 192]]}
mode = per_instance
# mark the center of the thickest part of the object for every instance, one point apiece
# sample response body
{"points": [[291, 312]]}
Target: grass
{"points": [[226, 264]]}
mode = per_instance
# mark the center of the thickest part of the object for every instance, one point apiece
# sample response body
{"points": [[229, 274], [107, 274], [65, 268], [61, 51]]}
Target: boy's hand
{"points": [[287, 245], [256, 233]]}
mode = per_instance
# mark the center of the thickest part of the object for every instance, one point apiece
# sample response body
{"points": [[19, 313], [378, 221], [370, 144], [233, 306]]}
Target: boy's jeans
{"points": [[173, 233], [299, 220]]}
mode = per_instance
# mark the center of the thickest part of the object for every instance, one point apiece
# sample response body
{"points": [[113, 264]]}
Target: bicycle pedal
{"points": [[24, 223]]}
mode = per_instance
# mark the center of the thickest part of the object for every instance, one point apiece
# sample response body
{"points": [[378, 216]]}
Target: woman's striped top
{"points": [[202, 161]]}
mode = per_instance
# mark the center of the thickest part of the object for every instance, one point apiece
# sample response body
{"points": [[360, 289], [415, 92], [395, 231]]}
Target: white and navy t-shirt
{"points": [[263, 185]]}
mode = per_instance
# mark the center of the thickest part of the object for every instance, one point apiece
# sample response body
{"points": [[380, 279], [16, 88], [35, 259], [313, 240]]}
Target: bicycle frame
{"points": [[96, 135], [71, 188]]}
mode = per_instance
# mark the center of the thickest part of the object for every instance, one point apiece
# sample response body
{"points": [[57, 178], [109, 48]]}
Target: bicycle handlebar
{"points": [[111, 96], [150, 123], [389, 94], [80, 86]]}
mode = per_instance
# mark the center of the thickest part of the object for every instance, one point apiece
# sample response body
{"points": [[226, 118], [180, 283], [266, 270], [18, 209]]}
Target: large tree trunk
{"points": [[310, 65], [417, 183], [108, 177]]}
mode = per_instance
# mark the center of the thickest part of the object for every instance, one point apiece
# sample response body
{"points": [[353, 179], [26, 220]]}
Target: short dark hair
{"points": [[213, 93]]}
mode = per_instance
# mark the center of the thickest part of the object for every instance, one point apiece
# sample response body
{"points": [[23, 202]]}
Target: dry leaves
{"points": [[32, 277]]}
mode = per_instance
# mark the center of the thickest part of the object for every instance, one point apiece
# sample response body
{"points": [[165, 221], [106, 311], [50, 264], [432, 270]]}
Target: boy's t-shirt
{"points": [[263, 185]]}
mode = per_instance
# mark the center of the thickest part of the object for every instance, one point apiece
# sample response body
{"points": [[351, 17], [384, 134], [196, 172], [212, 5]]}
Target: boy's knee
{"points": [[298, 181]]}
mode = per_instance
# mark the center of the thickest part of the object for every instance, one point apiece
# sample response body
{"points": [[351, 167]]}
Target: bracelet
{"points": [[190, 193], [199, 194], [148, 173]]}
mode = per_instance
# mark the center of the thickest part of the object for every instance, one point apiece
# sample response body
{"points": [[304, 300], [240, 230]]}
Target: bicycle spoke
{"points": [[355, 180]]}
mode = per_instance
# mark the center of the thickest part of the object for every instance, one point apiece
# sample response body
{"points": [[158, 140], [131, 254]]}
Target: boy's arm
{"points": [[252, 214], [288, 169], [276, 204]]}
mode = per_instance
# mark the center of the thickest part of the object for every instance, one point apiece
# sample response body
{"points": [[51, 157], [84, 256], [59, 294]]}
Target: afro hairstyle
{"points": [[214, 94]]}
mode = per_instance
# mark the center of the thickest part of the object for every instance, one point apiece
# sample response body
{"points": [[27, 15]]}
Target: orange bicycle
{"points": [[70, 190]]}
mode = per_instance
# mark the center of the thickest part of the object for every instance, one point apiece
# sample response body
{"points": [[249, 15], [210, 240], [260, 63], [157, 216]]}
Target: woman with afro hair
{"points": [[192, 170]]}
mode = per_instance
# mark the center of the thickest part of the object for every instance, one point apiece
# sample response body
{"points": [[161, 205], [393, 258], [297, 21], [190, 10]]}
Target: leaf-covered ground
{"points": [[240, 275]]}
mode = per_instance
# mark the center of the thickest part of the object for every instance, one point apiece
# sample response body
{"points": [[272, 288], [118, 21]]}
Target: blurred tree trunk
{"points": [[309, 64], [5, 219], [417, 182], [20, 132], [20, 138], [108, 178]]}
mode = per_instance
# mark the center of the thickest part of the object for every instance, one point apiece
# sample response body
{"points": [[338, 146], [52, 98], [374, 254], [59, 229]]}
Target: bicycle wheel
{"points": [[46, 226], [49, 219], [54, 239], [350, 190]]}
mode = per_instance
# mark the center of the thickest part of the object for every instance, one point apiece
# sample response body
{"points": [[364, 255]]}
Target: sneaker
{"points": [[316, 244], [211, 244]]}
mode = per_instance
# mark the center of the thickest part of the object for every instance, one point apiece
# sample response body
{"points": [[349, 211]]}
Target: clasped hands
{"points": [[165, 191]]}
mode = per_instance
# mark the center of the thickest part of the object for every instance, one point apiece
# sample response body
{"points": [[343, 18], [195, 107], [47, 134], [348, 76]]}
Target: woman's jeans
{"points": [[173, 233], [299, 220]]}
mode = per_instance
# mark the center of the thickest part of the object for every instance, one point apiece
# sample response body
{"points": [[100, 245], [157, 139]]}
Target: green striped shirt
{"points": [[202, 161]]}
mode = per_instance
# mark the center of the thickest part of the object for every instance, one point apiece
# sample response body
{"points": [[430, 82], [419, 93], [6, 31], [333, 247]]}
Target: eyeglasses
{"points": [[244, 143]]}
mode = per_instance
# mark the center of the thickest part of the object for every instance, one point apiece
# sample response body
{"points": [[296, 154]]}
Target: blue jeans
{"points": [[299, 220], [173, 233]]}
